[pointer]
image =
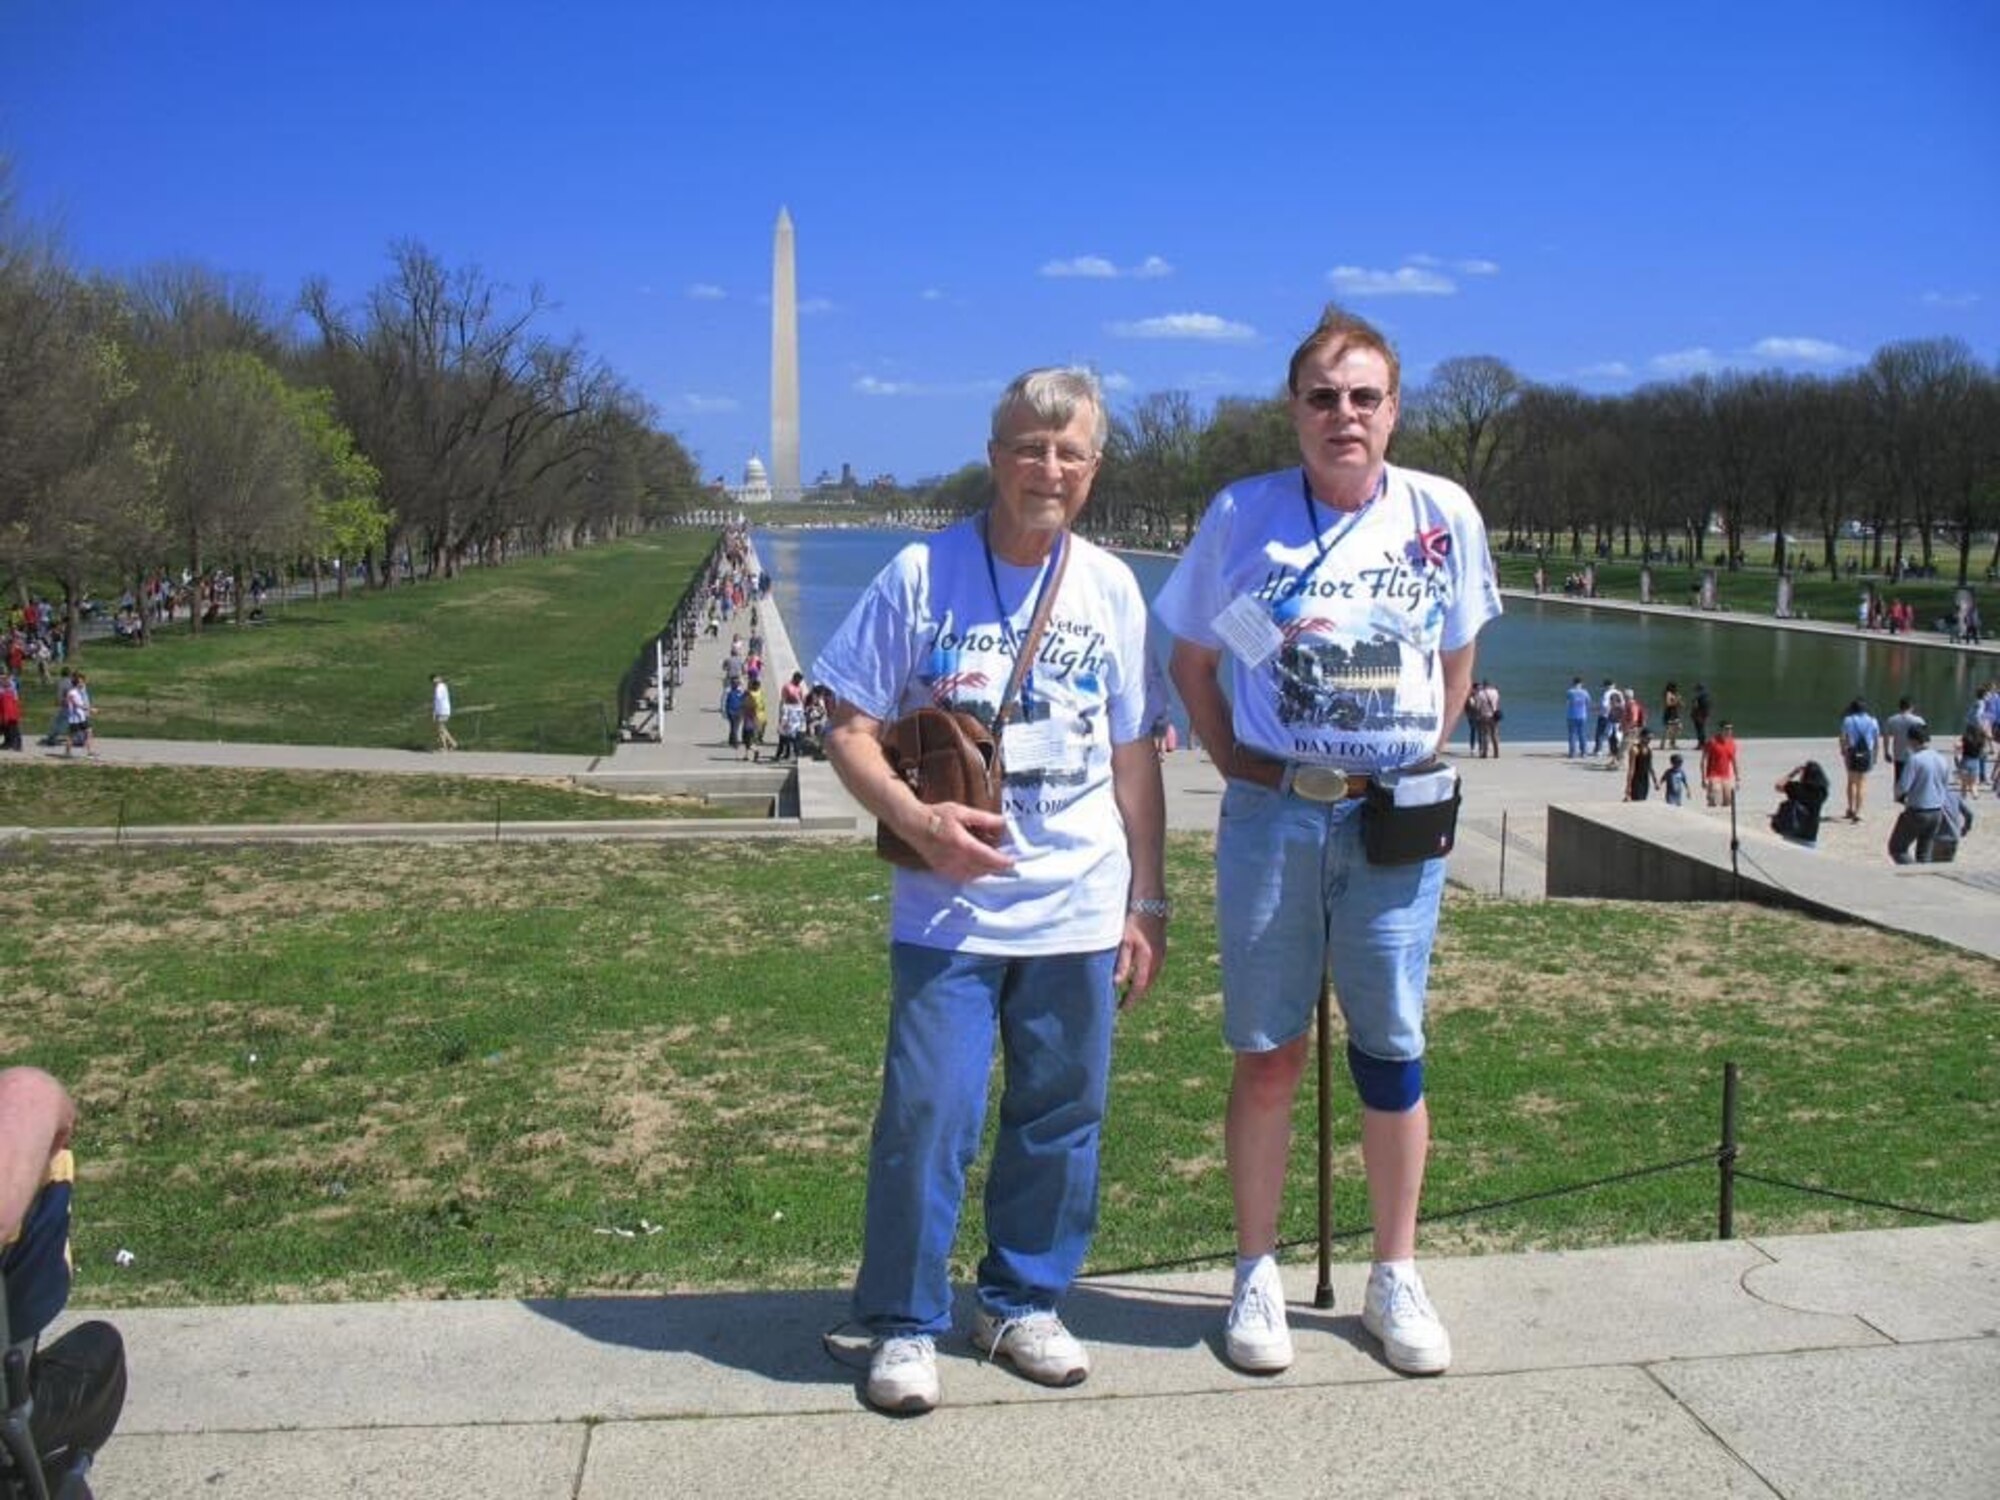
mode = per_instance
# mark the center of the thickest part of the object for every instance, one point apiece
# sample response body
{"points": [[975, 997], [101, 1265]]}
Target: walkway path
{"points": [[1799, 1367]]}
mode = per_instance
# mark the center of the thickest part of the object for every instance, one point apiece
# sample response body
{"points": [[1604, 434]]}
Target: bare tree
{"points": [[1149, 464], [1458, 421]]}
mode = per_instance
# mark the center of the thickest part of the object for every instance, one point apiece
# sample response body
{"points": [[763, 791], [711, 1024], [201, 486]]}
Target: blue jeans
{"points": [[1054, 1017], [1295, 898], [1578, 739]]}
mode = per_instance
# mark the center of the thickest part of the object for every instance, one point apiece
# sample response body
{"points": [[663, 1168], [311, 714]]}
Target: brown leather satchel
{"points": [[946, 755]]}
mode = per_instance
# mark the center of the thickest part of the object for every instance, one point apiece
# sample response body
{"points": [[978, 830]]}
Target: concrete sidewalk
{"points": [[1829, 1365]]}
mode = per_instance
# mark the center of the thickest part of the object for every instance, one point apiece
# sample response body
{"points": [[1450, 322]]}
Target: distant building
{"points": [[756, 486]]}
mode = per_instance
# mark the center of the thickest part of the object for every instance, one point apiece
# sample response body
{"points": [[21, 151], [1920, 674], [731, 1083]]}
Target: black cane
{"points": [[1323, 1293]]}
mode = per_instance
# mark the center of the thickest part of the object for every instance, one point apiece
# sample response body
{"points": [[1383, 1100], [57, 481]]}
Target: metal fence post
{"points": [[1725, 1159], [1323, 1292]]}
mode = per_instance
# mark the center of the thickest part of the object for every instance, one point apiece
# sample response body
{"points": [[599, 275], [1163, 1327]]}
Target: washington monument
{"points": [[784, 364]]}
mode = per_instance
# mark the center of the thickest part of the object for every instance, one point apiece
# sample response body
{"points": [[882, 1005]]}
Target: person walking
{"points": [[77, 715], [441, 713], [1639, 778], [1896, 734], [10, 711], [1279, 595], [753, 717], [1670, 716], [1718, 766], [1922, 789], [1860, 747], [1576, 715]]}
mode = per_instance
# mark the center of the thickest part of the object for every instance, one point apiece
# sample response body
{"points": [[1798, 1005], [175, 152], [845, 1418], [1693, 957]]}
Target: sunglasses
{"points": [[1365, 399]]}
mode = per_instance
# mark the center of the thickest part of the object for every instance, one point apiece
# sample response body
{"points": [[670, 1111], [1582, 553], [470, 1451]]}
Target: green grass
{"points": [[534, 652], [48, 794], [1754, 590], [336, 1072]]}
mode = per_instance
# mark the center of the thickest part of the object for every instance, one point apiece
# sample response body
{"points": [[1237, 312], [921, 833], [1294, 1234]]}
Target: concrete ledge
{"points": [[1651, 852]]}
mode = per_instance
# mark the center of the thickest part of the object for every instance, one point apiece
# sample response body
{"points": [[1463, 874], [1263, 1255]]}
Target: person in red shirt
{"points": [[10, 713], [1718, 766]]}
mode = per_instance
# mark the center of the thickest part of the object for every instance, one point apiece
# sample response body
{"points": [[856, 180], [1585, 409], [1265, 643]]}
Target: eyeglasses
{"points": [[1033, 453], [1365, 399]]}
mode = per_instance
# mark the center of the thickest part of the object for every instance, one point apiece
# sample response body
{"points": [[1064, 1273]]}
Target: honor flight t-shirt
{"points": [[1334, 623], [942, 624]]}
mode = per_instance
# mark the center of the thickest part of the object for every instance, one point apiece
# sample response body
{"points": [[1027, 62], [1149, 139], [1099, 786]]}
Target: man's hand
{"points": [[1140, 954], [958, 841]]}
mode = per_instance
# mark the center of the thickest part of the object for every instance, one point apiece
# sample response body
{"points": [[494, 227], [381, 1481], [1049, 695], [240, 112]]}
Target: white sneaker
{"points": [[902, 1374], [1256, 1338], [1398, 1313], [1035, 1343]]}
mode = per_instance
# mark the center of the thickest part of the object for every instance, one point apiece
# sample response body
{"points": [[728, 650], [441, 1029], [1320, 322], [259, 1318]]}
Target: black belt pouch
{"points": [[1394, 835]]}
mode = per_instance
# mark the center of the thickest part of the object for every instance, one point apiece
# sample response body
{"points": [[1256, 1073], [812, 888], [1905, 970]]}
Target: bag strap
{"points": [[1031, 642]]}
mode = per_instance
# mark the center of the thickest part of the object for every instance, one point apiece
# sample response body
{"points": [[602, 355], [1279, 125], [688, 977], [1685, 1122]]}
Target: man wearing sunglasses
{"points": [[1341, 600]]}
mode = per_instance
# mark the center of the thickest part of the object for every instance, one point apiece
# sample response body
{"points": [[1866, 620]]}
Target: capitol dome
{"points": [[756, 486]]}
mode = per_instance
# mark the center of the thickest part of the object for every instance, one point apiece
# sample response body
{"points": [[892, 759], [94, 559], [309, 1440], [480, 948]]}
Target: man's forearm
{"points": [[1142, 804]]}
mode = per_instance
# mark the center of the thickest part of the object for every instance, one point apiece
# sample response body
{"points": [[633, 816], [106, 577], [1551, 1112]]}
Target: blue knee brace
{"points": [[1396, 1087]]}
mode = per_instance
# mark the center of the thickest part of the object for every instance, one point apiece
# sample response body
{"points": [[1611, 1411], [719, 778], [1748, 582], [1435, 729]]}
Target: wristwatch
{"points": [[1150, 906]]}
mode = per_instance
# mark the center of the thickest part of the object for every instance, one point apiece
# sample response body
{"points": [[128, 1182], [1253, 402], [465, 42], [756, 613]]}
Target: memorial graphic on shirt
{"points": [[1358, 652]]}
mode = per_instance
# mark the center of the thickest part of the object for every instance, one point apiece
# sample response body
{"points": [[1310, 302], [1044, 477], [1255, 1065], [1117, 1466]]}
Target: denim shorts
{"points": [[1296, 898]]}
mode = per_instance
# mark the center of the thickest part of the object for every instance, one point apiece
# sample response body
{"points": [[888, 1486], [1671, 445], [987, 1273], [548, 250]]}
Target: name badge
{"points": [[1042, 746], [1247, 630]]}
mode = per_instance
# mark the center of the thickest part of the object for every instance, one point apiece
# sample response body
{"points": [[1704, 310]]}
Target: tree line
{"points": [[176, 420], [1903, 451]]}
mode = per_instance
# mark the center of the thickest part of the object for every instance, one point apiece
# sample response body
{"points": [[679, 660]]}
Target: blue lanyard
{"points": [[1007, 631], [1340, 530]]}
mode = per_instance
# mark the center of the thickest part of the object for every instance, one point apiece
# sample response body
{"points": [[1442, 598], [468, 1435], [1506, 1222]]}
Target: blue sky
{"points": [[1599, 194]]}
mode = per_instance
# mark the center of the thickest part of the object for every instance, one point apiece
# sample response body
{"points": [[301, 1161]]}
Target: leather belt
{"points": [[1307, 779]]}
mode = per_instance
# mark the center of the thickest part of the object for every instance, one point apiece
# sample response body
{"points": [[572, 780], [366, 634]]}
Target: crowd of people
{"points": [[1932, 783]]}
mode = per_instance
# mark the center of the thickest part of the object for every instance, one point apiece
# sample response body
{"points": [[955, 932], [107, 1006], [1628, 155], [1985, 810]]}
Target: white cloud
{"points": [[1422, 260], [1116, 381], [704, 405], [931, 294], [1479, 267], [705, 291], [813, 305], [1697, 361], [1950, 299], [1193, 325], [1803, 351], [1610, 369], [870, 385], [1081, 265], [1097, 268], [1404, 281]]}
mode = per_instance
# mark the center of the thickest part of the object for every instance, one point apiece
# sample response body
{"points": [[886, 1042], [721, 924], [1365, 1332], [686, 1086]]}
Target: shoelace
{"points": [[1408, 1296], [1254, 1305], [1026, 1322], [903, 1351]]}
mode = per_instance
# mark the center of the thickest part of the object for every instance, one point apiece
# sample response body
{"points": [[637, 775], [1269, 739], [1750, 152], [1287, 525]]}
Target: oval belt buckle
{"points": [[1319, 783]]}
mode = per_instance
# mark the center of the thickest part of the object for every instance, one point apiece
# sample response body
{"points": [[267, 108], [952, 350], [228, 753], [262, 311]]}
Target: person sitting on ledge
{"points": [[77, 1383]]}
